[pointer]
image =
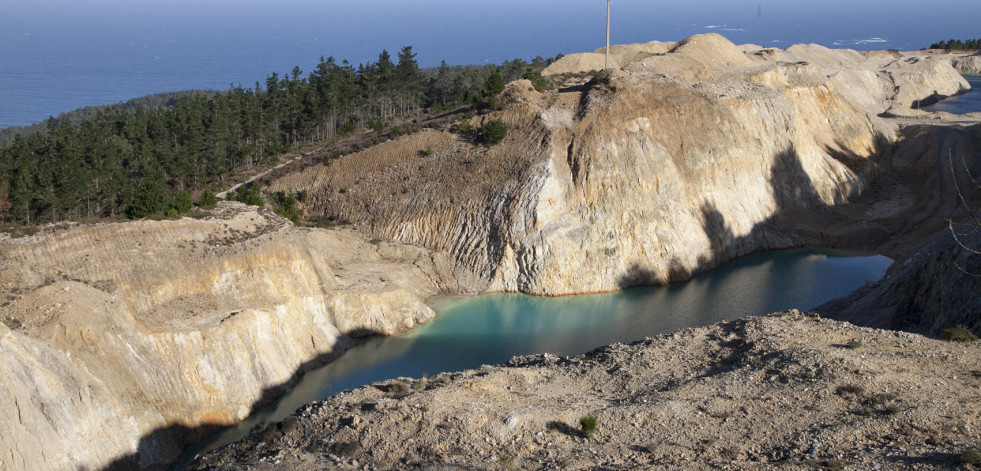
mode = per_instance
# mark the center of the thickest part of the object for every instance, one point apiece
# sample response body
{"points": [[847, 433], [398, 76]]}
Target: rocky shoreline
{"points": [[122, 343], [788, 391]]}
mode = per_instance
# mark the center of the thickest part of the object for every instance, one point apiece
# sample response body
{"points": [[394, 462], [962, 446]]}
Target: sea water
{"points": [[57, 55], [488, 329]]}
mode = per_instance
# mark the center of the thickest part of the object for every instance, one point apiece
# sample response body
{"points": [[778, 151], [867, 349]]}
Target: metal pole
{"points": [[607, 65]]}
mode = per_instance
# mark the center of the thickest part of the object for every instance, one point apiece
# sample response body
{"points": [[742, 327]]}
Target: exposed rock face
{"points": [[669, 166], [787, 392], [177, 327], [122, 342], [936, 288], [968, 64]]}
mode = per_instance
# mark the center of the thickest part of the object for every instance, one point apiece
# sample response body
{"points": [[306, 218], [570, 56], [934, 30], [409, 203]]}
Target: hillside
{"points": [[644, 175], [122, 343], [786, 391]]}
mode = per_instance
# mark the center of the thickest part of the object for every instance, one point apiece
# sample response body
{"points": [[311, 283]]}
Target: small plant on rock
{"points": [[588, 426], [971, 456], [850, 390], [344, 449], [493, 132], [958, 333]]}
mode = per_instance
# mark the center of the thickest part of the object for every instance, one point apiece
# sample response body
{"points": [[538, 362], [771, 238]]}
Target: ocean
{"points": [[57, 55]]}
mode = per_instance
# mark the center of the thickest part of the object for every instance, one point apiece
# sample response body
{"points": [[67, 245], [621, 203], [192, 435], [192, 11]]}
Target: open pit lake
{"points": [[969, 102], [491, 328]]}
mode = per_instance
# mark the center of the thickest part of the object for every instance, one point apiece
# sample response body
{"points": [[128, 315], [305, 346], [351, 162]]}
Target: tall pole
{"points": [[607, 65]]}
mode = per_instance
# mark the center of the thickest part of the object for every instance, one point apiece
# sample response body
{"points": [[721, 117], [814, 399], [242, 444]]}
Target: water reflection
{"points": [[492, 328], [969, 102]]}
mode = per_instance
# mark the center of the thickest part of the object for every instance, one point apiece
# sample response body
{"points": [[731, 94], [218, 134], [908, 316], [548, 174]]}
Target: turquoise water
{"points": [[489, 329], [969, 102]]}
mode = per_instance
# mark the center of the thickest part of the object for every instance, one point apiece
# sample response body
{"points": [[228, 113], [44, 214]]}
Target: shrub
{"points": [[344, 449], [853, 344], [286, 206], [150, 197], [464, 126], [959, 333], [588, 425], [540, 83], [208, 199], [971, 456], [493, 132], [248, 195], [182, 204], [850, 390]]}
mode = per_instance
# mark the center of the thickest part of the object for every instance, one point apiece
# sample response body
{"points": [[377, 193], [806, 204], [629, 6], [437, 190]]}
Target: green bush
{"points": [[540, 83], [286, 206], [182, 204], [959, 333], [208, 199], [248, 195], [971, 456], [150, 197], [493, 132], [464, 126], [588, 425]]}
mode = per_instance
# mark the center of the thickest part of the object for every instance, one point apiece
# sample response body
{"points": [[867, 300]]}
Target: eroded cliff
{"points": [[646, 174], [131, 340], [123, 342]]}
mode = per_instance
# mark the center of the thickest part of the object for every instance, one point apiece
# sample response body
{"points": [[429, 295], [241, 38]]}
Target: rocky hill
{"points": [[784, 391], [677, 162], [121, 343]]}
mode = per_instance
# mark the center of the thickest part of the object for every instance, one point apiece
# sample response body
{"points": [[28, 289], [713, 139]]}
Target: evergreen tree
{"points": [[130, 160], [149, 198], [183, 203], [495, 84], [208, 199], [4, 201]]}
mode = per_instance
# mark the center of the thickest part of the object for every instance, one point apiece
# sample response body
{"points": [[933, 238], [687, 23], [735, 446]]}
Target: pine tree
{"points": [[495, 84], [183, 203], [208, 199], [149, 198], [5, 203]]}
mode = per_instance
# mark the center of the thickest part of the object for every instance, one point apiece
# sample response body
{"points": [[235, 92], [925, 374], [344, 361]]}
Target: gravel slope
{"points": [[788, 390]]}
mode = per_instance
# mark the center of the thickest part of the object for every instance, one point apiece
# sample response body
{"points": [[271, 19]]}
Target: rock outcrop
{"points": [[647, 174], [968, 64], [935, 289], [123, 343], [784, 391]]}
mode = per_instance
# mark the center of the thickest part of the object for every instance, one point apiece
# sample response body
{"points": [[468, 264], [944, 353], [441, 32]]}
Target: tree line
{"points": [[156, 100], [139, 160], [957, 45]]}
